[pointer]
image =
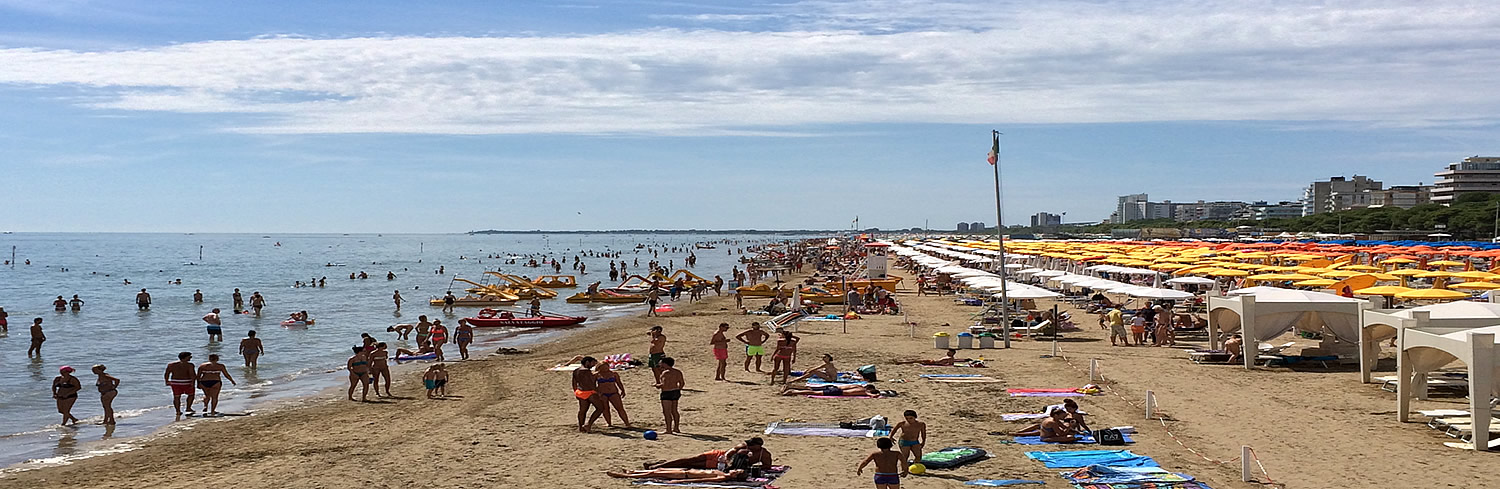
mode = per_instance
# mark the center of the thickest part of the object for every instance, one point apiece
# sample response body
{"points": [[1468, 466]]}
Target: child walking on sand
{"points": [[442, 380], [913, 436], [430, 380], [889, 467]]}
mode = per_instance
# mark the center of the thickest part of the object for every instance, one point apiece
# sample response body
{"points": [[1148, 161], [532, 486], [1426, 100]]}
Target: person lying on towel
{"points": [[682, 475], [867, 390], [946, 361], [1073, 418]]}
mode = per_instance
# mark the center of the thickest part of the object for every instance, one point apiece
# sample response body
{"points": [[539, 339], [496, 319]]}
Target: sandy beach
{"points": [[510, 422]]}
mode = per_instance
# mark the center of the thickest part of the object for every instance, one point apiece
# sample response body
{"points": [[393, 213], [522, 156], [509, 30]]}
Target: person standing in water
{"points": [[462, 336], [143, 301], [197, 296], [60, 304], [448, 300], [182, 377], [208, 380], [251, 348], [65, 389], [37, 337], [397, 299], [239, 302], [215, 326], [76, 304], [438, 335], [109, 387], [257, 302]]}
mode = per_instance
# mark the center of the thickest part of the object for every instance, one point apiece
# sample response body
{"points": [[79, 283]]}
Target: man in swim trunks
{"points": [[1116, 320], [215, 326], [658, 351], [670, 383], [890, 466], [720, 344], [754, 340], [251, 348], [947, 360], [913, 436], [652, 298], [182, 376], [208, 380], [143, 301], [586, 390]]}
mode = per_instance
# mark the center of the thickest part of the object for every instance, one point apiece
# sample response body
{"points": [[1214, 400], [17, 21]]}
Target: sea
{"points": [[137, 345]]}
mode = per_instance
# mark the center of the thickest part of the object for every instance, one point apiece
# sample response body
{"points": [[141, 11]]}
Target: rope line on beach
{"points": [[1106, 384]]}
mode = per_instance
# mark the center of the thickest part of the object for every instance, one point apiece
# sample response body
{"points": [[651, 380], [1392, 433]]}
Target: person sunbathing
{"points": [[1234, 346], [867, 390], [682, 475], [1056, 429], [423, 350], [1074, 419], [827, 371], [946, 361]]}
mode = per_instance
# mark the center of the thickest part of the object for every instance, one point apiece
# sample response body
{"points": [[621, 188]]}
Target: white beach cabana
{"points": [[1423, 351], [1449, 317], [1263, 313]]}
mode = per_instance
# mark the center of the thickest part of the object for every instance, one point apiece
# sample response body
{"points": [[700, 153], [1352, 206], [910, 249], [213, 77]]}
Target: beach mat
{"points": [[949, 376], [1133, 476], [1000, 482], [822, 429], [950, 457], [1068, 459], [765, 480], [1146, 485], [822, 383], [1082, 440], [841, 397], [966, 380], [1044, 393]]}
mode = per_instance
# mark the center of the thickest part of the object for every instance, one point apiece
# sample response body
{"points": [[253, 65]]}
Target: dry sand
{"points": [[511, 423]]}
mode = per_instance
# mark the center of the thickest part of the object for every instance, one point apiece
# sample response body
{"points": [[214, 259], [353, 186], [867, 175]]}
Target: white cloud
{"points": [[1385, 63]]}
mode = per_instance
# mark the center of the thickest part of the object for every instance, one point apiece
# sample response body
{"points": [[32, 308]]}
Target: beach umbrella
{"points": [[1154, 293], [1361, 268], [1476, 275], [1405, 272], [1433, 274], [1385, 290], [1225, 272], [1445, 263], [1281, 276], [1432, 294], [1340, 273], [1191, 280], [1317, 282], [1475, 286]]}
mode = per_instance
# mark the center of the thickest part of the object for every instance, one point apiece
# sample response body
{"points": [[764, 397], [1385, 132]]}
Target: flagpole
{"points": [[1000, 236]]}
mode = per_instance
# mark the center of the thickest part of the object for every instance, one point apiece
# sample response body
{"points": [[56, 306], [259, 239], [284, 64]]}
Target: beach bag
{"points": [[952, 457], [1109, 437], [868, 372]]}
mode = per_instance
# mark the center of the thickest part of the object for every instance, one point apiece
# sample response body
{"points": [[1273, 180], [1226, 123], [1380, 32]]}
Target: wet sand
{"points": [[511, 423]]}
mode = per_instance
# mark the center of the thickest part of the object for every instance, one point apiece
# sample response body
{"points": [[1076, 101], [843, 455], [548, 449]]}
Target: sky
{"points": [[392, 116]]}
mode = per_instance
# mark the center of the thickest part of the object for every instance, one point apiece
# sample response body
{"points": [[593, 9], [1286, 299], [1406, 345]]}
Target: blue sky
{"points": [[386, 116]]}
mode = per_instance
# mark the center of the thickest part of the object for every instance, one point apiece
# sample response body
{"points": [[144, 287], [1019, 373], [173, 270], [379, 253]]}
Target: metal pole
{"points": [[1000, 236]]}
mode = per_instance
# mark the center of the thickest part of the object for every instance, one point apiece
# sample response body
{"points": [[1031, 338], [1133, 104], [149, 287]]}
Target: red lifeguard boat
{"points": [[493, 318]]}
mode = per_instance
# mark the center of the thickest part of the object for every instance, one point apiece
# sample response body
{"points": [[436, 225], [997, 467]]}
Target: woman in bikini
{"points": [[359, 373], [781, 360], [208, 380], [840, 390], [683, 475], [609, 385], [438, 335], [462, 336], [109, 387], [380, 369], [65, 389]]}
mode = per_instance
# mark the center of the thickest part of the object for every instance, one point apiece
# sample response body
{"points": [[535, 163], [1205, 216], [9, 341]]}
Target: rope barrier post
{"points": [[1093, 370], [1150, 404], [1245, 458]]}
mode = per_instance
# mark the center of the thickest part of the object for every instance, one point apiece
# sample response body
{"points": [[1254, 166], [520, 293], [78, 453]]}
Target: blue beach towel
{"points": [[1082, 440], [1099, 474], [1084, 458], [1000, 482]]}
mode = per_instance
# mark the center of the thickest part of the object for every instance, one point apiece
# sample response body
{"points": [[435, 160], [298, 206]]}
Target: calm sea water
{"points": [[137, 345]]}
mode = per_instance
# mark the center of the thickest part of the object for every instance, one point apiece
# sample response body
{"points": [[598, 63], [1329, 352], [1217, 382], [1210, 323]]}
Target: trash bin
{"points": [[965, 341], [940, 340], [986, 340]]}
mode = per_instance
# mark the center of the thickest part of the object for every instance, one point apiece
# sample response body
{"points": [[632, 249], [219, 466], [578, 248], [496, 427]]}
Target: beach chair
{"points": [[1209, 356], [1434, 382]]}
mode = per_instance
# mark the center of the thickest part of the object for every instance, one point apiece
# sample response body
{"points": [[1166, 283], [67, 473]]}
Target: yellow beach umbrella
{"points": [[1405, 272], [1281, 276], [1360, 268], [1445, 263], [1398, 260], [1476, 275], [1437, 294], [1476, 286], [1225, 272], [1433, 274], [1341, 273], [1317, 282], [1386, 290], [1383, 276]]}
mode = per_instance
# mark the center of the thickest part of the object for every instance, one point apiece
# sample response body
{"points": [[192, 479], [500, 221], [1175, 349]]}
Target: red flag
{"points": [[995, 150]]}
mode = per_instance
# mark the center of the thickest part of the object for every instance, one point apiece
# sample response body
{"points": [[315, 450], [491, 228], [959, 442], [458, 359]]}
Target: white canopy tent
{"points": [[1423, 351], [1191, 280], [1448, 317], [1263, 313]]}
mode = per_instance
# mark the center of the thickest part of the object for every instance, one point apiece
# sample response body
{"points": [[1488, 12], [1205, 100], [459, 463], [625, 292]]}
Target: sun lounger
{"points": [[1389, 384], [1288, 360]]}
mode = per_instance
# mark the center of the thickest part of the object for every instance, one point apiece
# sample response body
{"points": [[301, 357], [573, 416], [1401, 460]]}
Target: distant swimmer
{"points": [[209, 381], [397, 299], [143, 301], [4, 321], [215, 326], [390, 275], [239, 302], [197, 296], [251, 348], [76, 304]]}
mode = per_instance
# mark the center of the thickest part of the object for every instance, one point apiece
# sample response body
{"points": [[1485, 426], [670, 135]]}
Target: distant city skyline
{"points": [[383, 116]]}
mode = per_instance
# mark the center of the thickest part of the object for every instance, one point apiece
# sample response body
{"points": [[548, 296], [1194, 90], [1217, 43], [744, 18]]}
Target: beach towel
{"points": [[968, 364], [765, 480], [1084, 458], [1099, 474], [949, 376], [842, 397], [978, 379], [823, 429], [1082, 439], [1023, 416], [1146, 485], [952, 457], [1000, 482], [1044, 393]]}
